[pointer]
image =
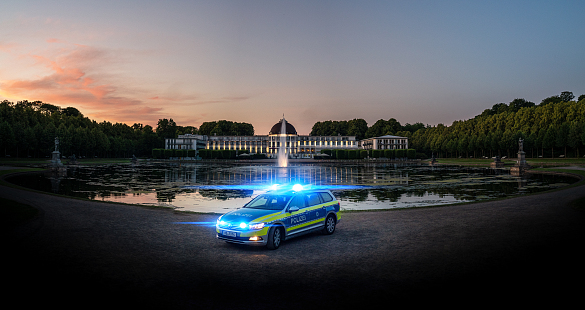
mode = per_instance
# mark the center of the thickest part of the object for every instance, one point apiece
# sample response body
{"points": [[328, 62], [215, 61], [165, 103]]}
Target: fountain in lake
{"points": [[282, 155]]}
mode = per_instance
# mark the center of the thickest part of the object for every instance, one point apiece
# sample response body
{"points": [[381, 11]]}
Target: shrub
{"points": [[353, 154], [411, 153], [157, 153], [400, 153], [363, 154]]}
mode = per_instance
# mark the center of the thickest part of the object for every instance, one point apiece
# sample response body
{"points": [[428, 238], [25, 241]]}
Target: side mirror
{"points": [[293, 209]]}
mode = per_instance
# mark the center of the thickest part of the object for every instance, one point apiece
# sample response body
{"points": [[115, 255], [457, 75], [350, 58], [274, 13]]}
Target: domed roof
{"points": [[290, 129]]}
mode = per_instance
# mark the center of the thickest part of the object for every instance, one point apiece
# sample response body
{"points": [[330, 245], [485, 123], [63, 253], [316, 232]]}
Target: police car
{"points": [[275, 216]]}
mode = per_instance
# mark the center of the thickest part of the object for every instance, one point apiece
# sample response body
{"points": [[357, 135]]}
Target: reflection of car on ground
{"points": [[275, 216]]}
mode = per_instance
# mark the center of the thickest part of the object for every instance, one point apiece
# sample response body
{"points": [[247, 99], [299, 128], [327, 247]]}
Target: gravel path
{"points": [[521, 251]]}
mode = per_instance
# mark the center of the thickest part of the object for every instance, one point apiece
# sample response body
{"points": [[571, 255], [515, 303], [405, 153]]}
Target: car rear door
{"points": [[315, 210]]}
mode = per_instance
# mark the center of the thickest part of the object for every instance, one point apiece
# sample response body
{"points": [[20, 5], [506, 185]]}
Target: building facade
{"points": [[296, 146], [186, 142], [384, 143]]}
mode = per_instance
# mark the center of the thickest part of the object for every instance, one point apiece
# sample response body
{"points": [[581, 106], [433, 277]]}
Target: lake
{"points": [[223, 186]]}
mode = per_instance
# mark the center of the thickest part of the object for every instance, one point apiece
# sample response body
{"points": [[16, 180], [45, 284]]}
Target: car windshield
{"points": [[269, 202]]}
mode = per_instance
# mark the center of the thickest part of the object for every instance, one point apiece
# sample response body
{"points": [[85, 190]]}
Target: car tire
{"points": [[330, 223], [275, 237]]}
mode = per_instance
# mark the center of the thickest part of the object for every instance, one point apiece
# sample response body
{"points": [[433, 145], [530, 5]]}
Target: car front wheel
{"points": [[274, 238]]}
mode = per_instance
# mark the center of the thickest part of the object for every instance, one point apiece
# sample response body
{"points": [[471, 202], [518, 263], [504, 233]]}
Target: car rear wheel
{"points": [[274, 237], [329, 225]]}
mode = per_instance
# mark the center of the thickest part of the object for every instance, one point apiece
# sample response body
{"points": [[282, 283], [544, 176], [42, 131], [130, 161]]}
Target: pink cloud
{"points": [[87, 78]]}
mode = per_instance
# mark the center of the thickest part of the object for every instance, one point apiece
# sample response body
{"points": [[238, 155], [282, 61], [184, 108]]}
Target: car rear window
{"points": [[326, 197], [313, 199]]}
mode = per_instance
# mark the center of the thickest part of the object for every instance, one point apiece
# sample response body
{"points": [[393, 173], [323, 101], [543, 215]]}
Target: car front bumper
{"points": [[243, 237]]}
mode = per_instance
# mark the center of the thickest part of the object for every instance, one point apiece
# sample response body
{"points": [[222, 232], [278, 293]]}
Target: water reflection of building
{"points": [[305, 174], [297, 146]]}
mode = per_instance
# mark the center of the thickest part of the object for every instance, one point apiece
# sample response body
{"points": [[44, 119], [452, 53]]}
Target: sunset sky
{"points": [[253, 61]]}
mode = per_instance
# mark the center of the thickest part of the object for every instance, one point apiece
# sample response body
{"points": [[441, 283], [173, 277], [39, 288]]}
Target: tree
{"points": [[519, 103], [71, 111], [574, 137], [550, 139], [462, 145], [358, 128], [561, 136], [566, 96], [551, 99], [166, 128], [7, 139]]}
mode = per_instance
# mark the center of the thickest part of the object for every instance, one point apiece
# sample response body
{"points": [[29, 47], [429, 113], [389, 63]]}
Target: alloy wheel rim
{"points": [[330, 224], [277, 237]]}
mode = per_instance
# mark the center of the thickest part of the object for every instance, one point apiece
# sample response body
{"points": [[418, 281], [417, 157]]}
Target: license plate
{"points": [[229, 233]]}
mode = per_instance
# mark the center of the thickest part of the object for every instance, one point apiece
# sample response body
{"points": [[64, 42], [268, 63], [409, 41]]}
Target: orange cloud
{"points": [[87, 78], [53, 40], [66, 80]]}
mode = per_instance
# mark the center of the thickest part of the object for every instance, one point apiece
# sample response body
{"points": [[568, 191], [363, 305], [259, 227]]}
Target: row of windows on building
{"points": [[296, 146]]}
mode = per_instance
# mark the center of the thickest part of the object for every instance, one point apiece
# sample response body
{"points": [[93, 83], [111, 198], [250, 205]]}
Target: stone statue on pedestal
{"points": [[56, 159], [521, 164]]}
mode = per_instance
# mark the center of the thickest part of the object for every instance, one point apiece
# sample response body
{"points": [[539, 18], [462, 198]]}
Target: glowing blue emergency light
{"points": [[278, 187], [297, 187]]}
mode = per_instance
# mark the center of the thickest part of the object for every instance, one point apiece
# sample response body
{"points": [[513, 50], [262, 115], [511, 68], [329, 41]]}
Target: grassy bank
{"points": [[14, 213], [82, 161], [535, 162], [15, 170]]}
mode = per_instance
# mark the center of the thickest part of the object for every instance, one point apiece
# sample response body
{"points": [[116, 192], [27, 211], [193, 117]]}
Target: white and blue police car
{"points": [[278, 215]]}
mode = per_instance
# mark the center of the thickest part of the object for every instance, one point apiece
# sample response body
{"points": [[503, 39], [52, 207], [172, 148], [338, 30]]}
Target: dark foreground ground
{"points": [[77, 254]]}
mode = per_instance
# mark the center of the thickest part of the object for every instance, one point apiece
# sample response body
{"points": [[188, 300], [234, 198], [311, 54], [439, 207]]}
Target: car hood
{"points": [[246, 215]]}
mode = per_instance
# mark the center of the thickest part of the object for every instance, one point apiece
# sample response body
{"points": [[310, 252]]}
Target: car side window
{"points": [[326, 197], [298, 201], [313, 199]]}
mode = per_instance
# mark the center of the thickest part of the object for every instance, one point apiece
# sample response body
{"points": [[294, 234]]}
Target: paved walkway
{"points": [[522, 251]]}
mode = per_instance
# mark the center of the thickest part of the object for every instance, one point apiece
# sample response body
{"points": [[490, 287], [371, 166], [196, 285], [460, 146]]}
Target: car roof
{"points": [[291, 192]]}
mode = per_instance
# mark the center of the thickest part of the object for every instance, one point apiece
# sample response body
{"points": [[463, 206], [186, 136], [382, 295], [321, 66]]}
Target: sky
{"points": [[255, 61]]}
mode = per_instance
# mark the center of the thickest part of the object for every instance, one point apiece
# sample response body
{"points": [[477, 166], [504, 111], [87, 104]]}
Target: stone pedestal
{"points": [[497, 163], [522, 159], [521, 166], [56, 160]]}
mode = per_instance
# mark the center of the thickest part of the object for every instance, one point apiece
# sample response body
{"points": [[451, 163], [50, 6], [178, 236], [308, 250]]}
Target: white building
{"points": [[186, 142], [296, 146], [384, 143]]}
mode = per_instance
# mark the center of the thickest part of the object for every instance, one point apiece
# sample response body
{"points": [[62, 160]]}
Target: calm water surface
{"points": [[366, 186]]}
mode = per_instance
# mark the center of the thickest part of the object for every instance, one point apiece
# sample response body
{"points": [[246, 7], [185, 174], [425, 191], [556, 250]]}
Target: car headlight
{"points": [[257, 226]]}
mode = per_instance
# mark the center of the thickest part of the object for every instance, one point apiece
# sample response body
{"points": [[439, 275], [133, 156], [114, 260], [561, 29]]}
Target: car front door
{"points": [[297, 217]]}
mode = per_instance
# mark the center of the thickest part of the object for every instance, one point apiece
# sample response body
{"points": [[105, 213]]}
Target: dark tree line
{"points": [[359, 128], [28, 129], [226, 128], [554, 127]]}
